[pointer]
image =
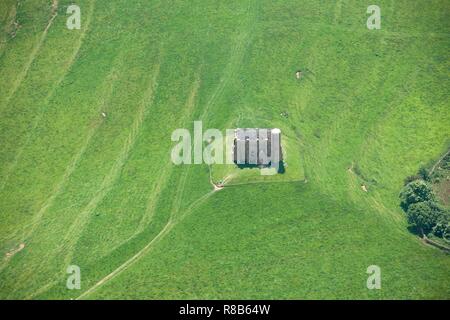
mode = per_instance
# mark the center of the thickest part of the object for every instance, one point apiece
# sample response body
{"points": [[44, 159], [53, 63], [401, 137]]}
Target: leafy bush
{"points": [[446, 162], [442, 227], [442, 230], [424, 173], [411, 179]]}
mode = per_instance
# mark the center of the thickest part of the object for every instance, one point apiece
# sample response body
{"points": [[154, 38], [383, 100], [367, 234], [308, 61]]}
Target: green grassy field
{"points": [[102, 193]]}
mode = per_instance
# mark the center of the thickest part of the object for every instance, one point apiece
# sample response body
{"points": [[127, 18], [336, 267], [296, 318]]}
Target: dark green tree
{"points": [[426, 216], [420, 215], [415, 192]]}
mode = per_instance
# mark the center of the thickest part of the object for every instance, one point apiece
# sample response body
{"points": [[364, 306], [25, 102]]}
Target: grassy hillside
{"points": [[102, 193]]}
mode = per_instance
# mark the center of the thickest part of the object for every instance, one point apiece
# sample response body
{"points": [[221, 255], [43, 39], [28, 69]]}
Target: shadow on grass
{"points": [[281, 168], [415, 231]]}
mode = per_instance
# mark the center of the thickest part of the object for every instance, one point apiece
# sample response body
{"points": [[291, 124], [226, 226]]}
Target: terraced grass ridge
{"points": [[100, 192]]}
